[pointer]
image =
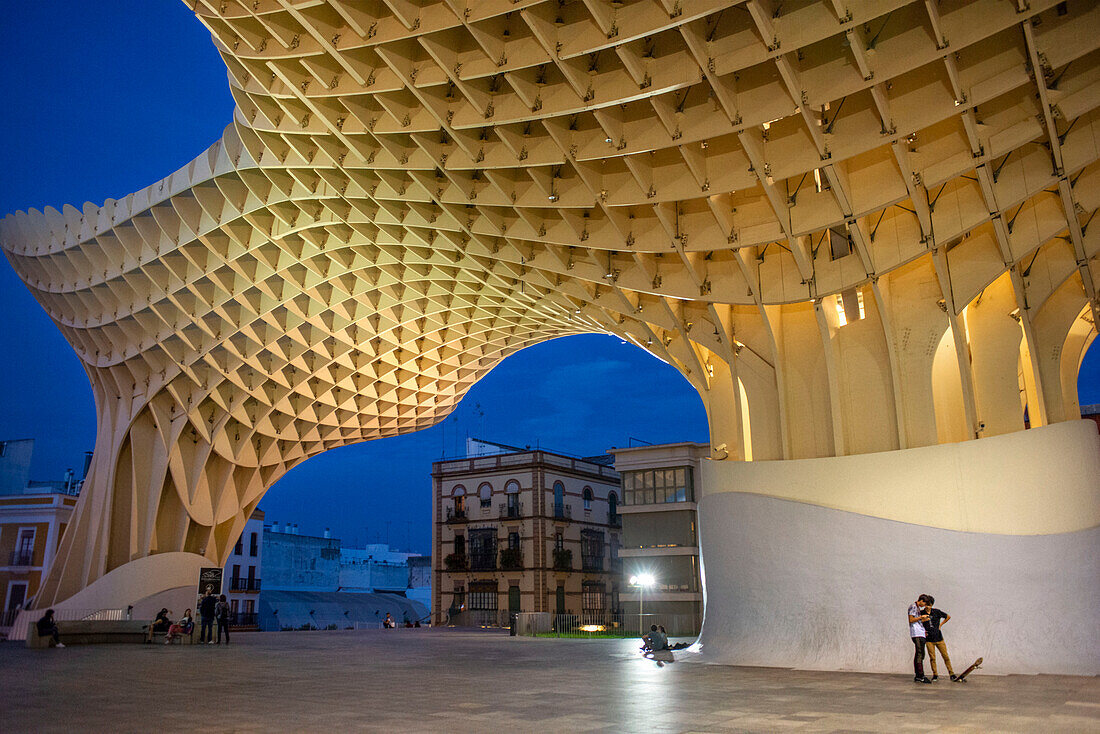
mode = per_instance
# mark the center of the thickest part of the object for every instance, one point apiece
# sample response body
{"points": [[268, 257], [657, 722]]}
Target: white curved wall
{"points": [[1045, 480], [798, 584]]}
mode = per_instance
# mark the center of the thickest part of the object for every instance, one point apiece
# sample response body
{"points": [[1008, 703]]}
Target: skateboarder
{"points": [[918, 635], [936, 619]]}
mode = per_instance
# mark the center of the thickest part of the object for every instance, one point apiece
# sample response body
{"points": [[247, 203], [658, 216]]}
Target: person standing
{"points": [[206, 610], [918, 635], [221, 613], [936, 619]]}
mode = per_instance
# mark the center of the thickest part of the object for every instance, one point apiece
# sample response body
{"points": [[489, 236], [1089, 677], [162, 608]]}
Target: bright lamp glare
{"points": [[644, 579], [633, 580]]}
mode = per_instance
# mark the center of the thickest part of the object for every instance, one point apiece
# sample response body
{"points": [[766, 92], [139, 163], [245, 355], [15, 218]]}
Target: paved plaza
{"points": [[430, 680]]}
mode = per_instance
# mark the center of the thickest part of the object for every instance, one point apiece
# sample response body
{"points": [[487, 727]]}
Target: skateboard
{"points": [[977, 664]]}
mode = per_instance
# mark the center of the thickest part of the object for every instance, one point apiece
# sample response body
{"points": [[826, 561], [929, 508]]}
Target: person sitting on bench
{"points": [[161, 624], [47, 627], [183, 626]]}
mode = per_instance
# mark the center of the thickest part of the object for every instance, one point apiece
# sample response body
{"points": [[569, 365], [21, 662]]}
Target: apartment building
{"points": [[523, 530], [660, 531], [243, 573], [33, 516]]}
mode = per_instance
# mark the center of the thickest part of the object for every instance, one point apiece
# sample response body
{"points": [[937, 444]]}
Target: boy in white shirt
{"points": [[917, 633]]}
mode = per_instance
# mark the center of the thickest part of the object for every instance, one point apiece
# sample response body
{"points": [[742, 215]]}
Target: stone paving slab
{"points": [[438, 680]]}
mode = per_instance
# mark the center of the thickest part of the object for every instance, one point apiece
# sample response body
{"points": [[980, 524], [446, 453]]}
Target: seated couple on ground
{"points": [[657, 639]]}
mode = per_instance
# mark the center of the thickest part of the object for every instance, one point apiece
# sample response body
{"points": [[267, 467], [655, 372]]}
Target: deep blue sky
{"points": [[102, 99]]}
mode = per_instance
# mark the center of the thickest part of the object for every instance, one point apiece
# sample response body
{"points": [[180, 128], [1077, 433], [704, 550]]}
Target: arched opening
{"points": [[586, 497], [947, 392], [459, 507], [559, 499], [485, 494], [613, 508], [1079, 365], [512, 506]]}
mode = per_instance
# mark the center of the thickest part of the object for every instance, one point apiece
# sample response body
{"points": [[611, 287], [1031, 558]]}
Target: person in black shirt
{"points": [[47, 627], [936, 619], [206, 609]]}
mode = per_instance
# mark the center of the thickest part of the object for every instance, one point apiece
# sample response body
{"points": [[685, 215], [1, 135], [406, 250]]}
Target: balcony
{"points": [[22, 558], [456, 562], [245, 619], [511, 559], [510, 510], [591, 562], [243, 584], [563, 512], [615, 521], [563, 559], [456, 514], [483, 562]]}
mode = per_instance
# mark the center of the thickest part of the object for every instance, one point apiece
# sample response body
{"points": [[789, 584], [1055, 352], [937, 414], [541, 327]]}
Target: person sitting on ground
{"points": [[183, 626], [655, 640], [47, 627], [162, 623], [388, 622]]}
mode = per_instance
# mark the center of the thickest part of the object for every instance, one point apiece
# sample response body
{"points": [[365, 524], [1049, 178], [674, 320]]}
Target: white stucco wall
{"points": [[1044, 480], [806, 584]]}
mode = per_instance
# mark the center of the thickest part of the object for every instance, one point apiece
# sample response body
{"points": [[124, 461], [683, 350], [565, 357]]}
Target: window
{"points": [[513, 541], [249, 606], [483, 549], [460, 502], [253, 546], [483, 595], [612, 508], [658, 486], [511, 493], [238, 549], [559, 600], [234, 579], [559, 499], [459, 598], [592, 597], [559, 541], [592, 550], [485, 492], [460, 545], [234, 606], [587, 495], [24, 548]]}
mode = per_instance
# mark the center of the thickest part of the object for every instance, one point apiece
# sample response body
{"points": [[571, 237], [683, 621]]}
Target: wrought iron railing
{"points": [[22, 558]]}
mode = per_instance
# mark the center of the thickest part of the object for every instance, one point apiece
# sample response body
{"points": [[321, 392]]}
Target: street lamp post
{"points": [[641, 582]]}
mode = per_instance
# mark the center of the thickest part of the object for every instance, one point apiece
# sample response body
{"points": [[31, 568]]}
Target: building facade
{"points": [[33, 517], [242, 579], [660, 532], [523, 530], [31, 526]]}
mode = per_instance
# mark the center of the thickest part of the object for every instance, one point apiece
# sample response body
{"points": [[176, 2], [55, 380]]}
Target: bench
{"points": [[181, 639], [91, 632]]}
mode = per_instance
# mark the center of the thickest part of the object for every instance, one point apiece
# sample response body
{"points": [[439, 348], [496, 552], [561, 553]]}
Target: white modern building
{"points": [[661, 532], [241, 581]]}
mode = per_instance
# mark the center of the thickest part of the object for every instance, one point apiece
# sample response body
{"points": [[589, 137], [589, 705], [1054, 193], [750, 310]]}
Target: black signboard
{"points": [[210, 577]]}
